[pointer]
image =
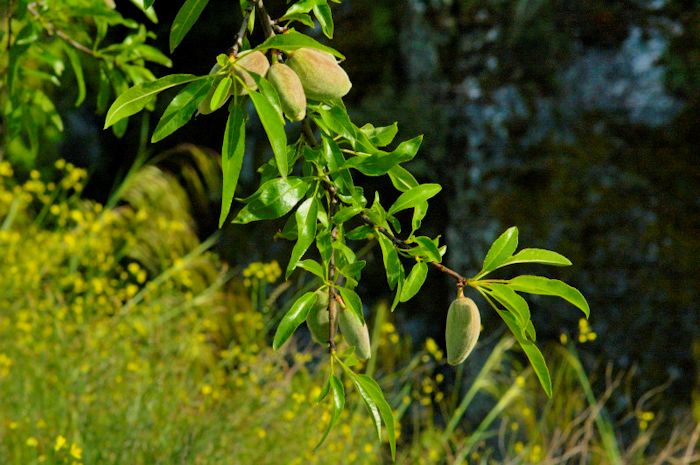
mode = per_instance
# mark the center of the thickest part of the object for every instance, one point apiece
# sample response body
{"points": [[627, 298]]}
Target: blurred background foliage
{"points": [[576, 121]]}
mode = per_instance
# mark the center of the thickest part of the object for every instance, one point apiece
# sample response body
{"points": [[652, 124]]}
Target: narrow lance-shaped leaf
{"points": [[293, 318], [324, 17], [414, 281], [541, 256], [312, 267], [136, 98], [500, 250], [273, 199], [352, 302], [414, 197], [184, 20], [77, 67], [273, 123], [545, 286], [511, 301], [392, 264], [530, 348], [232, 153], [181, 108], [336, 387], [379, 408], [306, 216]]}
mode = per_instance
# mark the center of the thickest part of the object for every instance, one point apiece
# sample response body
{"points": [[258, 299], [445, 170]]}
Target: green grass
{"points": [[124, 340]]}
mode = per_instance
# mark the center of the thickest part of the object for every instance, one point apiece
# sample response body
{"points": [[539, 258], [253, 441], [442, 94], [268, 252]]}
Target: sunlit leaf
{"points": [[181, 108], [293, 318], [232, 153], [414, 196], [136, 98], [336, 387], [545, 286], [306, 217], [292, 40], [501, 249], [414, 281], [273, 123], [273, 199]]}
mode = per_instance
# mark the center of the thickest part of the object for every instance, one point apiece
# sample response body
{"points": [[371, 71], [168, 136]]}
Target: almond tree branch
{"points": [[401, 244], [265, 19], [242, 31]]}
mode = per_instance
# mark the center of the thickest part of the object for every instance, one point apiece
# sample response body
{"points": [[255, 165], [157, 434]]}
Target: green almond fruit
{"points": [[320, 75], [317, 318], [462, 329], [253, 62], [355, 333], [290, 90]]}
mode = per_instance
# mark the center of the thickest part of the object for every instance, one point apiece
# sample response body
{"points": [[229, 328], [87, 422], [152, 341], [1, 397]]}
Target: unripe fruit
{"points": [[255, 62], [319, 73], [355, 333], [290, 90], [462, 329], [317, 318], [204, 106]]}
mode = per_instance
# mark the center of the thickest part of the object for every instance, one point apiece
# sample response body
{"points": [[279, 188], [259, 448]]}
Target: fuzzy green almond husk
{"points": [[289, 89], [462, 329], [317, 318], [319, 73], [355, 333]]}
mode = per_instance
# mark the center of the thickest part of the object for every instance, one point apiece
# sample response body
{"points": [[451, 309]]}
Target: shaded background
{"points": [[576, 121]]}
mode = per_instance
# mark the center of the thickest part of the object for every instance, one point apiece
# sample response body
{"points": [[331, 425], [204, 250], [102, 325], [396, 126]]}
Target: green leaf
{"points": [[273, 123], [306, 216], [302, 18], [378, 407], [428, 248], [511, 300], [336, 387], [414, 281], [544, 286], [77, 67], [292, 40], [401, 178], [148, 3], [184, 20], [181, 109], [312, 267], [419, 213], [382, 136], [346, 213], [301, 6], [221, 93], [414, 196], [325, 19], [531, 351], [136, 98], [392, 264], [500, 250], [273, 199], [324, 246], [541, 256], [293, 318], [381, 162], [334, 160], [232, 154], [352, 302]]}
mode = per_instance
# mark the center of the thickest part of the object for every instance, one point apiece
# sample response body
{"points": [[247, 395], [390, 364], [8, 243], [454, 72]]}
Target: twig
{"points": [[51, 30], [242, 31], [401, 244], [332, 310], [265, 19]]}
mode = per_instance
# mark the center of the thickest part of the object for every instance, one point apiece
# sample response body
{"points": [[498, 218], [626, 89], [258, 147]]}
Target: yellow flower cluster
{"points": [[262, 272], [585, 333]]}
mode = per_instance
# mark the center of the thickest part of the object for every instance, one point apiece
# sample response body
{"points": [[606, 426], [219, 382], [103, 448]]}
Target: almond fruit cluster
{"points": [[306, 73]]}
